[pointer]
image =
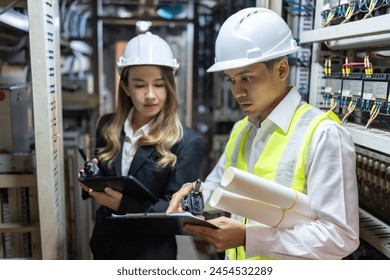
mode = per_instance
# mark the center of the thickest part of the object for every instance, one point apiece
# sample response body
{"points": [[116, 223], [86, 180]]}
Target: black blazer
{"points": [[118, 240]]}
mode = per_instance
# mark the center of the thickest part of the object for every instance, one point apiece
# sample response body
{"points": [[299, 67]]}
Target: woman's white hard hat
{"points": [[147, 49], [252, 35]]}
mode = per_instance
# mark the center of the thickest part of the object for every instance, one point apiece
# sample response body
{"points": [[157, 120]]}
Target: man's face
{"points": [[256, 88]]}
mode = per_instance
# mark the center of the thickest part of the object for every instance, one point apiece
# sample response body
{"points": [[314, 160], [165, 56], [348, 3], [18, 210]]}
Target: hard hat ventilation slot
{"points": [[248, 15]]}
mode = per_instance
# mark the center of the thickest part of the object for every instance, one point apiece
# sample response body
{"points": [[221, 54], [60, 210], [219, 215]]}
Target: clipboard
{"points": [[128, 185], [161, 223]]}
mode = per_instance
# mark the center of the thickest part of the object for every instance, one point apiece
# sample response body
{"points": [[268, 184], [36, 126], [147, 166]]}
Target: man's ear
{"points": [[283, 69]]}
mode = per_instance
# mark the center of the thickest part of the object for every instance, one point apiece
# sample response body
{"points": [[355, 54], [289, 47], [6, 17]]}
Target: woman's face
{"points": [[147, 90]]}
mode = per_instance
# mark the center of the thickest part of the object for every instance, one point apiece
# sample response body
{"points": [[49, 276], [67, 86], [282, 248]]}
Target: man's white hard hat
{"points": [[252, 35]]}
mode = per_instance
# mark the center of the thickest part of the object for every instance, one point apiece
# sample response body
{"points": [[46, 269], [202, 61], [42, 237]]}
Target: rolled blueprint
{"points": [[267, 214], [256, 188]]}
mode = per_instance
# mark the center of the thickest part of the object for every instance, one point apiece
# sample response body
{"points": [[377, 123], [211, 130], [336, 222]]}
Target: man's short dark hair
{"points": [[270, 64]]}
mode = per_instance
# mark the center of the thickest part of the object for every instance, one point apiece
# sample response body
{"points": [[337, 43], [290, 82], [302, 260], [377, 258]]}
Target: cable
{"points": [[369, 71], [333, 103], [351, 107], [349, 12], [331, 15], [295, 7], [370, 8], [83, 23], [67, 25], [13, 49], [62, 13], [9, 6], [328, 63], [346, 67], [374, 113], [326, 100], [328, 66]]}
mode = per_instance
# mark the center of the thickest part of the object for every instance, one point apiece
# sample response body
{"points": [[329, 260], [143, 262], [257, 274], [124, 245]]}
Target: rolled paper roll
{"points": [[267, 214], [256, 188]]}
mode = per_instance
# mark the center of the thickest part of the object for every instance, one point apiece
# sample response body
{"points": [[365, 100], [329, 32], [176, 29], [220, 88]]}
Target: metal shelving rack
{"points": [[36, 202], [47, 101]]}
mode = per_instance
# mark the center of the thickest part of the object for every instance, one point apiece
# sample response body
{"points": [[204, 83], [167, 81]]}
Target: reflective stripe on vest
{"points": [[283, 159]]}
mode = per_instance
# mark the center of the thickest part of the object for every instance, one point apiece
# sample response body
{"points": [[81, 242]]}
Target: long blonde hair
{"points": [[165, 131]]}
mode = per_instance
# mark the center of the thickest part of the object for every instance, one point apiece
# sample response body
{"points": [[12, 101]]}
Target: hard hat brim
{"points": [[242, 62]]}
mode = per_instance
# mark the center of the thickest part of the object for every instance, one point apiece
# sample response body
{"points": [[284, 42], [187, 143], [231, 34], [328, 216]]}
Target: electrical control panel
{"points": [[350, 75]]}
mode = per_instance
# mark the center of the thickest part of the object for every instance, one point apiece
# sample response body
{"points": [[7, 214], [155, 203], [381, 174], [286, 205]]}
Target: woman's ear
{"points": [[124, 87], [283, 69]]}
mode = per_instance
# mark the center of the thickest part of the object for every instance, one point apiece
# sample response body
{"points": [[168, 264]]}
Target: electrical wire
{"points": [[370, 8], [329, 18], [333, 104], [62, 13], [351, 108], [328, 63], [346, 67], [328, 66], [83, 23], [369, 71], [18, 47], [374, 112], [67, 20], [295, 7], [9, 6], [326, 100], [349, 13]]}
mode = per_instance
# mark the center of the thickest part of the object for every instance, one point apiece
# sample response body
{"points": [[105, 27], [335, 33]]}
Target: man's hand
{"points": [[230, 234], [175, 203]]}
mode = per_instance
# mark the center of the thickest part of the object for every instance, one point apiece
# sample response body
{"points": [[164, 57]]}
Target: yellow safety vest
{"points": [[283, 159]]}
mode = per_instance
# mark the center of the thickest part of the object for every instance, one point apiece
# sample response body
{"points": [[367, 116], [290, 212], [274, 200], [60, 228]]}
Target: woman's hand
{"points": [[109, 198]]}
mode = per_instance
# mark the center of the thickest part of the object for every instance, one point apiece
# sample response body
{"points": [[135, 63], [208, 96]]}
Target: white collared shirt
{"points": [[131, 139], [331, 190]]}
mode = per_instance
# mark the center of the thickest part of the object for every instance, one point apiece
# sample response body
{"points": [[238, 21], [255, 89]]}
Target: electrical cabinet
{"points": [[19, 227], [350, 74], [14, 102]]}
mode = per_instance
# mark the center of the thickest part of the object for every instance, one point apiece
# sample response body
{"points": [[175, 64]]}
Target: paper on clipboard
{"points": [[162, 223]]}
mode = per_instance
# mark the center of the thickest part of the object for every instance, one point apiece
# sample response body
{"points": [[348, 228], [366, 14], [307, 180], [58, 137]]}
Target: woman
{"points": [[143, 138]]}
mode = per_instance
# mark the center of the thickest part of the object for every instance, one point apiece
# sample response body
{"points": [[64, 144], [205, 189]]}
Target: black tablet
{"points": [[161, 223], [128, 185]]}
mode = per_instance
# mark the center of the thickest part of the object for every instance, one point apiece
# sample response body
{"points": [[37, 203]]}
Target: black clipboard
{"points": [[128, 185], [161, 223]]}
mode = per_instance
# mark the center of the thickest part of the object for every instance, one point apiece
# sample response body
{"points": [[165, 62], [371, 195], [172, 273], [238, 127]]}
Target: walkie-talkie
{"points": [[194, 203], [90, 167]]}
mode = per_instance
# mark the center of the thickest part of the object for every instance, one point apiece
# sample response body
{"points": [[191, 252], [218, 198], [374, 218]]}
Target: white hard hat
{"points": [[147, 49], [252, 35]]}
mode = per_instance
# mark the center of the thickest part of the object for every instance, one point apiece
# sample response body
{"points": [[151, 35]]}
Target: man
{"points": [[282, 139]]}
